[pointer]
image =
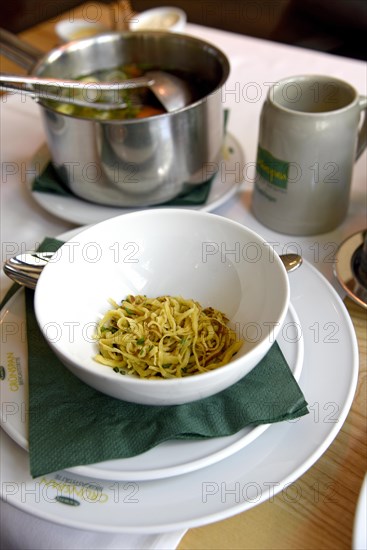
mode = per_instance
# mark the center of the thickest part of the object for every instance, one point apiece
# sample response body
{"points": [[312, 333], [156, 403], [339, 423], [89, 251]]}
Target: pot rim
{"points": [[56, 53]]}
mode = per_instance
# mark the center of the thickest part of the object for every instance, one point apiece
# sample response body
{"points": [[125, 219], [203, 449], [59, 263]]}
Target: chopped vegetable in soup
{"points": [[139, 102]]}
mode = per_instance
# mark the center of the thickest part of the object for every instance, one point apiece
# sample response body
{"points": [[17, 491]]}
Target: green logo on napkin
{"points": [[273, 170], [67, 500]]}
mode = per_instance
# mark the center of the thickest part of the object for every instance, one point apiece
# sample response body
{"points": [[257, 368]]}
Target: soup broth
{"points": [[138, 103]]}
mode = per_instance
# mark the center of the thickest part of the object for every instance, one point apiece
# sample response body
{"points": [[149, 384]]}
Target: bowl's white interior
{"points": [[174, 252]]}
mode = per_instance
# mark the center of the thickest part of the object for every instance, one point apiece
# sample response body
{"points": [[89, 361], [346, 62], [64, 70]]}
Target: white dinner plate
{"points": [[168, 459], [72, 209], [233, 485]]}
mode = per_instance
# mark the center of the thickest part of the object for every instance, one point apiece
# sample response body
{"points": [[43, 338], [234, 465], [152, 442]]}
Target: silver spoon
{"points": [[291, 261], [172, 92], [26, 268]]}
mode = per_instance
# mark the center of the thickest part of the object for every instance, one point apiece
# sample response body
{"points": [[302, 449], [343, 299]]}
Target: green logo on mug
{"points": [[273, 170]]}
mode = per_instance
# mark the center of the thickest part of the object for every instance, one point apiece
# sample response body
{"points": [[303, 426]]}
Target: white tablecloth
{"points": [[255, 64]]}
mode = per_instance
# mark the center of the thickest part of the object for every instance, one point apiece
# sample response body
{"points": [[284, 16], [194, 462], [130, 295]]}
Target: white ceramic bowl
{"points": [[159, 19], [78, 29], [197, 255]]}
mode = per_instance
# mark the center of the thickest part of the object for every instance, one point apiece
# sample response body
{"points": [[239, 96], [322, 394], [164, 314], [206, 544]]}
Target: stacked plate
{"points": [[183, 484]]}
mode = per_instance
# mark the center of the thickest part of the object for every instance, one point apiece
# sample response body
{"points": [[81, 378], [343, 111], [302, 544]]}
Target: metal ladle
{"points": [[171, 92], [26, 268]]}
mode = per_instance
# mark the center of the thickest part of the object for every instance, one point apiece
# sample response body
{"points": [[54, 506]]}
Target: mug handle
{"points": [[362, 134]]}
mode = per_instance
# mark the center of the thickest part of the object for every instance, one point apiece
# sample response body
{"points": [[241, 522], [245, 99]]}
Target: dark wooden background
{"points": [[335, 26]]}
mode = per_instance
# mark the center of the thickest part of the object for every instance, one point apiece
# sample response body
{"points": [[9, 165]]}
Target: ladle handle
{"points": [[128, 84], [20, 52], [39, 96]]}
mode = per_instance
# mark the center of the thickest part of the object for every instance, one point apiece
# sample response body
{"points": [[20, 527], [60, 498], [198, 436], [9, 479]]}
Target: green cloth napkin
{"points": [[49, 182], [71, 424]]}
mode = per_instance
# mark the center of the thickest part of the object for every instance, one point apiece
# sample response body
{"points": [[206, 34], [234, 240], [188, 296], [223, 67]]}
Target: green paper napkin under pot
{"points": [[48, 181]]}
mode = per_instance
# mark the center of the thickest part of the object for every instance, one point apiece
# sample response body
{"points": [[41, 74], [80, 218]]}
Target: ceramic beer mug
{"points": [[308, 143]]}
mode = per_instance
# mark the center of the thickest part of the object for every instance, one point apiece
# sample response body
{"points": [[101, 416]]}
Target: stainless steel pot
{"points": [[137, 162]]}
